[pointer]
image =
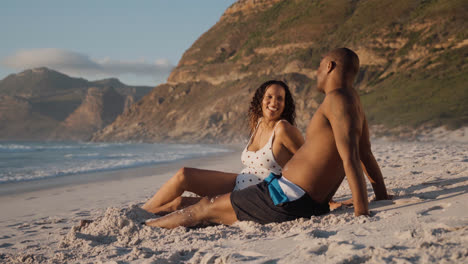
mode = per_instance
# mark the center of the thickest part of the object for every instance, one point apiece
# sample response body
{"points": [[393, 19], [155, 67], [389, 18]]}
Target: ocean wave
{"points": [[5, 148], [96, 166], [81, 155], [87, 158]]}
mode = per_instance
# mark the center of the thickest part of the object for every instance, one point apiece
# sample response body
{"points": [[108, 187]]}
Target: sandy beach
{"points": [[426, 222]]}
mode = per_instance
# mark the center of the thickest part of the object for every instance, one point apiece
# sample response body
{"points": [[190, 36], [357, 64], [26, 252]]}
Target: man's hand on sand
{"points": [[335, 205], [349, 202], [389, 197]]}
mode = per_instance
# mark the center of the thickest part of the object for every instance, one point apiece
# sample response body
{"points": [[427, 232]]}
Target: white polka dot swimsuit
{"points": [[258, 164]]}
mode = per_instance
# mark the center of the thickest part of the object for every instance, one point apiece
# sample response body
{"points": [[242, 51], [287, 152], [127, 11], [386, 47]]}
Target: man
{"points": [[337, 142]]}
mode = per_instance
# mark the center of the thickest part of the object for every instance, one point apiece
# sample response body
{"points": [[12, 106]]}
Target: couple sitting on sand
{"points": [[285, 178]]}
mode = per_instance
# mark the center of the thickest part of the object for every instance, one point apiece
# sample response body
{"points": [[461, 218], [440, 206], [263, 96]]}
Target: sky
{"points": [[138, 41]]}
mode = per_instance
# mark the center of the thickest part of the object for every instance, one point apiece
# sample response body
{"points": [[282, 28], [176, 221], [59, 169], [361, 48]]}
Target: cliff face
{"points": [[17, 119], [100, 107], [42, 104], [413, 58]]}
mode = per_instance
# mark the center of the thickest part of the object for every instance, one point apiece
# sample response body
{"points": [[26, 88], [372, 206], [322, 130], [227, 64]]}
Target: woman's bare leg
{"points": [[201, 182], [216, 210], [178, 203]]}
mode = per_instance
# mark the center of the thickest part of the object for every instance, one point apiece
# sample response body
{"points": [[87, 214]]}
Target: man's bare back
{"points": [[337, 144], [336, 138], [317, 167]]}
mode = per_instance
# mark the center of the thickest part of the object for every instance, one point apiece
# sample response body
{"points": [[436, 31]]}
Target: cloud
{"points": [[77, 64]]}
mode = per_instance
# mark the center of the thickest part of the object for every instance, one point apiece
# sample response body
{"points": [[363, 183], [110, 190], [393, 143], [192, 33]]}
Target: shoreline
{"points": [[62, 195], [18, 187]]}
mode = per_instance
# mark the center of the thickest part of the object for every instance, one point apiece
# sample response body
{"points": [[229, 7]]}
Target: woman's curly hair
{"points": [[255, 109]]}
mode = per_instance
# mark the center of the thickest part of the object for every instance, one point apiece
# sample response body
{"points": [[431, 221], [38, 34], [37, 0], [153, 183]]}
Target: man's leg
{"points": [[216, 210]]}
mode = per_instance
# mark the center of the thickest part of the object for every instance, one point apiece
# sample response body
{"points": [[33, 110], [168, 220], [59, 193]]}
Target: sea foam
{"points": [[32, 161]]}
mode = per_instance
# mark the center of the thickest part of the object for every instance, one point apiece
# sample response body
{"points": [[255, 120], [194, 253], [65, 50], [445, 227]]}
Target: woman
{"points": [[274, 140]]}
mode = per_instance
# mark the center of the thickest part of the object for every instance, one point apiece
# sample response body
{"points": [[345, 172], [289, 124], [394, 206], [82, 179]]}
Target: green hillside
{"points": [[413, 66], [432, 88]]}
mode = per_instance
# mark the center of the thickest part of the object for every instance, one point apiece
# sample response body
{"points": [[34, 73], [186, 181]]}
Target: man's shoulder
{"points": [[338, 96], [337, 99]]}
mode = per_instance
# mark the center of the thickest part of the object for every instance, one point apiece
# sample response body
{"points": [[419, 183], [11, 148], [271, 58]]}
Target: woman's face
{"points": [[273, 102]]}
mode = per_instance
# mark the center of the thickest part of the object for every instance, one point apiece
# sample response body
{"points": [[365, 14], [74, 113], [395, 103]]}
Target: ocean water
{"points": [[24, 161]]}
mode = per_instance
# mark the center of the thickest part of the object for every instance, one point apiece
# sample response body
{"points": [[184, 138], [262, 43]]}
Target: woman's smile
{"points": [[273, 102], [272, 108]]}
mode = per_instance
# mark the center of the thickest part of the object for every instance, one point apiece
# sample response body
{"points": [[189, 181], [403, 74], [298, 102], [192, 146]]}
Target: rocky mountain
{"points": [[99, 108], [43, 104], [413, 73], [40, 82], [17, 120]]}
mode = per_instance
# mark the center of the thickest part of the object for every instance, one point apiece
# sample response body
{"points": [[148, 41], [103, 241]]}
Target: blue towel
{"points": [[276, 193]]}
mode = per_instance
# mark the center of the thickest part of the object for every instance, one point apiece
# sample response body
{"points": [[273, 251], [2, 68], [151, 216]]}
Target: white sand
{"points": [[427, 222]]}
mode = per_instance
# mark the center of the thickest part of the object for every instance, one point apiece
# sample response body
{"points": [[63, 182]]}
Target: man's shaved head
{"points": [[346, 61], [339, 65]]}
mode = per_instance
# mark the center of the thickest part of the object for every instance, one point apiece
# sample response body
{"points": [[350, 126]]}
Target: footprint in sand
{"points": [[362, 232], [83, 213], [5, 245], [247, 256], [31, 246], [318, 249], [323, 233], [15, 225], [23, 226], [313, 235], [26, 241], [433, 209]]}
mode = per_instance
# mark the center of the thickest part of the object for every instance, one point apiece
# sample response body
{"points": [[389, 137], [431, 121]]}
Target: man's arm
{"points": [[346, 127], [370, 165]]}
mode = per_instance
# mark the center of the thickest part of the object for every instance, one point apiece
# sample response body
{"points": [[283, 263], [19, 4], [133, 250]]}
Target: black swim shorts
{"points": [[255, 204]]}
